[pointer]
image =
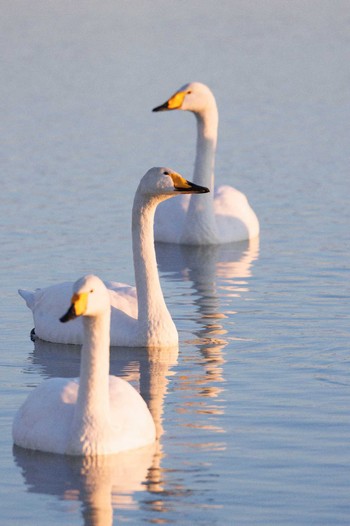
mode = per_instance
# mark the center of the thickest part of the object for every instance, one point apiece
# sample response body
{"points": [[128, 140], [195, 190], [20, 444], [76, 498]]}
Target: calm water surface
{"points": [[252, 410]]}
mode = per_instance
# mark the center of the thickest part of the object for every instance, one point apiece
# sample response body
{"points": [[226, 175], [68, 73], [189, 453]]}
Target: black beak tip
{"points": [[162, 107], [193, 188], [70, 315], [200, 189]]}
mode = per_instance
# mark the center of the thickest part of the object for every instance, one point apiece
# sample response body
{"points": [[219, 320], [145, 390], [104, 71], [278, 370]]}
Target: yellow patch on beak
{"points": [[179, 182], [175, 102], [80, 303]]}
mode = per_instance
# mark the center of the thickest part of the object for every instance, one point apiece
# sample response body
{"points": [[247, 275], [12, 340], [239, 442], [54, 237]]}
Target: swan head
{"points": [[90, 298], [194, 96], [164, 182]]}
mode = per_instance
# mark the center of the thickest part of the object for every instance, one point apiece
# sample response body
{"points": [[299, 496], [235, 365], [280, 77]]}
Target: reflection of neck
{"points": [[97, 508], [154, 320], [200, 223], [92, 407], [154, 380], [97, 488]]}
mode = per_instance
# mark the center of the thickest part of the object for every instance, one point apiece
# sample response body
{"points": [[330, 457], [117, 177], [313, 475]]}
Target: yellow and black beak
{"points": [[77, 308], [192, 188], [162, 107], [182, 185], [174, 103]]}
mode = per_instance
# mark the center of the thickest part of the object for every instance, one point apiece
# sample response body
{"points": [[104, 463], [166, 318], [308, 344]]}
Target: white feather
{"points": [[224, 215]]}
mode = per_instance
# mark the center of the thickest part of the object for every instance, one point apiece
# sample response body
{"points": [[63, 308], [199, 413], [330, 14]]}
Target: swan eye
{"points": [[166, 173], [189, 92], [92, 290]]}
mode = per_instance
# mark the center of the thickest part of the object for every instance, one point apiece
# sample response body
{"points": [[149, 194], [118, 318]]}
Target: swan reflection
{"points": [[99, 483], [216, 275], [217, 278], [105, 482]]}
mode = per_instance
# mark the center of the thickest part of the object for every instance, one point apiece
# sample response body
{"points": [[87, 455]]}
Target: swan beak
{"points": [[193, 189], [77, 308], [162, 107], [182, 185], [174, 103], [70, 315]]}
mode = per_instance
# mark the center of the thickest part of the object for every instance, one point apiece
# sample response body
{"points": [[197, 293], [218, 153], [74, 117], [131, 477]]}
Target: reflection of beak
{"points": [[70, 314], [162, 107], [192, 188]]}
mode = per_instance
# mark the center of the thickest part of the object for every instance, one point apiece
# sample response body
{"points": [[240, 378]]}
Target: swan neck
{"points": [[151, 304], [93, 396], [200, 226], [207, 129]]}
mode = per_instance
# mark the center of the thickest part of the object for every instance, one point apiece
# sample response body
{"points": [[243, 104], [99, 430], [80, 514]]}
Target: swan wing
{"points": [[50, 303], [170, 219], [235, 219], [44, 420], [133, 424]]}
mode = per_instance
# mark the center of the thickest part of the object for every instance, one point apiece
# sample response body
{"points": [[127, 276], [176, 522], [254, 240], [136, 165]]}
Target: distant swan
{"points": [[225, 215], [95, 414], [140, 317]]}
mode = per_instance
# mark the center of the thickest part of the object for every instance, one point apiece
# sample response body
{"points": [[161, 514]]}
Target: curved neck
{"points": [[152, 310], [207, 131], [200, 226], [93, 396]]}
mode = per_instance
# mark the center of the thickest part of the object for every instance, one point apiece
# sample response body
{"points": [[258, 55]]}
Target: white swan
{"points": [[95, 414], [223, 216], [140, 317]]}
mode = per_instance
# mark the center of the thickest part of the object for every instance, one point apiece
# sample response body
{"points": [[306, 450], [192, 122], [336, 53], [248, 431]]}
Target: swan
{"points": [[95, 414], [140, 317], [224, 216]]}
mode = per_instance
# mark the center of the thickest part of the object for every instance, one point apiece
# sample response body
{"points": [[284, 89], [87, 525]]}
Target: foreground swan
{"points": [[223, 216], [95, 414], [140, 317]]}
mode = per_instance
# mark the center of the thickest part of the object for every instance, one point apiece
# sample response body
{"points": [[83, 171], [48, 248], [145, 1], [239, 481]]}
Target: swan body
{"points": [[139, 315], [95, 414], [223, 216]]}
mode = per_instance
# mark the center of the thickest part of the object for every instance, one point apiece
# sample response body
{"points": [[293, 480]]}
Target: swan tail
{"points": [[28, 296]]}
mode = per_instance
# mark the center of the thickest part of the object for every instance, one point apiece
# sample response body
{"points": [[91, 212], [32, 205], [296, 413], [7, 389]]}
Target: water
{"points": [[253, 410]]}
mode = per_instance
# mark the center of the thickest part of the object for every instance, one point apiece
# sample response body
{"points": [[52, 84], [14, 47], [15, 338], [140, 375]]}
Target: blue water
{"points": [[253, 410]]}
